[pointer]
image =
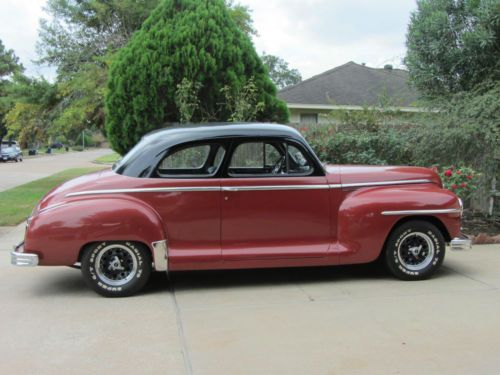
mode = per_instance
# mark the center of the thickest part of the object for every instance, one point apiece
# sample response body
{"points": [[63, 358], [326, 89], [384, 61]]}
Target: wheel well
{"points": [[431, 219], [89, 244]]}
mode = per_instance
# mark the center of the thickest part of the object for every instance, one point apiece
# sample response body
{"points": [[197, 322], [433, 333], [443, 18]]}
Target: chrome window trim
{"points": [[422, 212]]}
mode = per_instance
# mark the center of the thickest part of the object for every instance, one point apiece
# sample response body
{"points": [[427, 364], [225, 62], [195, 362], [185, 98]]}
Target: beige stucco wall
{"points": [[295, 114]]}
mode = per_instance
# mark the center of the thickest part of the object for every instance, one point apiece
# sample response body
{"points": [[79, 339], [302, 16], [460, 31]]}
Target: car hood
{"points": [[358, 174]]}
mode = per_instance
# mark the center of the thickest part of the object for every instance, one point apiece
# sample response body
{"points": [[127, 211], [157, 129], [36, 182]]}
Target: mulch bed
{"points": [[483, 230]]}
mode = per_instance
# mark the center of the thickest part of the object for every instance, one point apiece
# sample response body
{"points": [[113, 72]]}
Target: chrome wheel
{"points": [[116, 264], [416, 251]]}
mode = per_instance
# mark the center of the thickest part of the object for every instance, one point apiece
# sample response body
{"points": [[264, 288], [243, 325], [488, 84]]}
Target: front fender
{"points": [[363, 229], [57, 235]]}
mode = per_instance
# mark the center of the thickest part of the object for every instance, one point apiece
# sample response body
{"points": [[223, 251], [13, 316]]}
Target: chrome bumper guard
{"points": [[461, 243], [19, 258]]}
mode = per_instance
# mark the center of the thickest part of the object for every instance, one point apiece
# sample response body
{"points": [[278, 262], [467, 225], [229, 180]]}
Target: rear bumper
{"points": [[461, 243], [19, 258]]}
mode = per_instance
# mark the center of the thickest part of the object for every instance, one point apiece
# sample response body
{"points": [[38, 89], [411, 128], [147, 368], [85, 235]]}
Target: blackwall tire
{"points": [[414, 250], [116, 268]]}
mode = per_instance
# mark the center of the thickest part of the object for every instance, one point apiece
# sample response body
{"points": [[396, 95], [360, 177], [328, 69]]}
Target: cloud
{"points": [[317, 35], [19, 31], [312, 35]]}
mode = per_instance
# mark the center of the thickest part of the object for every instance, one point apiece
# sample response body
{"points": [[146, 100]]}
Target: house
{"points": [[351, 87]]}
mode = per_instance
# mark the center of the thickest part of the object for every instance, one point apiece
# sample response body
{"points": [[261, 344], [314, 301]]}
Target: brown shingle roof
{"points": [[353, 84]]}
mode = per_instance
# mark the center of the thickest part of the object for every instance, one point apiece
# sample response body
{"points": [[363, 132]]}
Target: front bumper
{"points": [[461, 243], [19, 258]]}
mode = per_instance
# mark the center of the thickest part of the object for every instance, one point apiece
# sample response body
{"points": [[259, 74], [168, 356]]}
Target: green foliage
{"points": [[80, 38], [359, 145], [9, 64], [279, 71], [243, 103], [186, 99], [30, 116], [242, 16], [453, 45], [465, 131], [89, 141], [78, 31], [183, 38]]}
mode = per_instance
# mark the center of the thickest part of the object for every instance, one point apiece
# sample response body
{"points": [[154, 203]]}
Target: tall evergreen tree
{"points": [[192, 39]]}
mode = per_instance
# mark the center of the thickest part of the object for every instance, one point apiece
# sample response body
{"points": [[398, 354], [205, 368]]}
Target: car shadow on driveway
{"points": [[72, 283], [192, 280]]}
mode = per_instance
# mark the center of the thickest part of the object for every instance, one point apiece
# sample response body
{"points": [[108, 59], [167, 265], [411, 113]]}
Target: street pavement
{"points": [[333, 320], [13, 174]]}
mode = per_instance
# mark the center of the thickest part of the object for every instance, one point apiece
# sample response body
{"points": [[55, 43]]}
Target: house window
{"points": [[308, 118]]}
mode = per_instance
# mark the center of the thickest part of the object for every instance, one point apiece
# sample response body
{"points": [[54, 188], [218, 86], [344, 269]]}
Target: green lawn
{"points": [[108, 159], [17, 203]]}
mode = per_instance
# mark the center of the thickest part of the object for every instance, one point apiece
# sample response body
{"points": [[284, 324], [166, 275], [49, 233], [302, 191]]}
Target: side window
{"points": [[192, 161], [188, 158], [297, 162], [256, 158]]}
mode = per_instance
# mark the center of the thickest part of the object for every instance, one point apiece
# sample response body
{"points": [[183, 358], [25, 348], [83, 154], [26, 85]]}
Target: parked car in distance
{"points": [[57, 145], [239, 196], [11, 154]]}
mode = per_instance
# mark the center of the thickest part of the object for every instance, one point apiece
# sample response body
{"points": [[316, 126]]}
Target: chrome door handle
{"points": [[229, 188]]}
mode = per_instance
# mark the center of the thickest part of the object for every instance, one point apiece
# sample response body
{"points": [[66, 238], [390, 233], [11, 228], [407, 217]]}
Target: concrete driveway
{"points": [[337, 320], [14, 174]]}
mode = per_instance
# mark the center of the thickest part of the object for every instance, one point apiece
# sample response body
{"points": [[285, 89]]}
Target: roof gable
{"points": [[353, 84]]}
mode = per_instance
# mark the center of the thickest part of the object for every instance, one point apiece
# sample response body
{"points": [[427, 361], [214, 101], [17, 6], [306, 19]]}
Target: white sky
{"points": [[312, 35]]}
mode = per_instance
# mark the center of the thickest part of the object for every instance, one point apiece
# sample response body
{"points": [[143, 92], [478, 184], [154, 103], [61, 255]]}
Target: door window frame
{"points": [[316, 170]]}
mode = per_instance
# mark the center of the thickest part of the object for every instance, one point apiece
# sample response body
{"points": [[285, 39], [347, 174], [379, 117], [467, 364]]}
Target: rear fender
{"points": [[57, 235]]}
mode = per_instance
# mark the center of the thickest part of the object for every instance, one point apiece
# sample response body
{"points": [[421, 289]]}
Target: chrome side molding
{"points": [[422, 212], [386, 183], [160, 255], [243, 188], [274, 187]]}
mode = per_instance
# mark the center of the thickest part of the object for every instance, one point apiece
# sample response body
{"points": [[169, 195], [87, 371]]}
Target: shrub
{"points": [[192, 39], [460, 180], [362, 145]]}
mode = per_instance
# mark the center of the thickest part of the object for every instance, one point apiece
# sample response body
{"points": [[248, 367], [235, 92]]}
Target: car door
{"points": [[189, 204], [275, 203]]}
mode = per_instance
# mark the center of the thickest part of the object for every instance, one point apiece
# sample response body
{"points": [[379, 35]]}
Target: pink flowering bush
{"points": [[460, 180]]}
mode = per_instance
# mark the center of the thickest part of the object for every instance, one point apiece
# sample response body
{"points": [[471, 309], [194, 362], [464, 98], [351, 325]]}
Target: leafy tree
{"points": [[279, 72], [453, 45], [33, 101], [77, 31], [243, 104], [80, 38], [242, 15], [183, 38], [9, 64]]}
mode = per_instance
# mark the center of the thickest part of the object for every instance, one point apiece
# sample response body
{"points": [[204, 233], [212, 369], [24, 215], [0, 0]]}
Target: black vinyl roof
{"points": [[152, 147]]}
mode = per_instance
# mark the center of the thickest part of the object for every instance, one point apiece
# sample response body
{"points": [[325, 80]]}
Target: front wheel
{"points": [[414, 250], [116, 269]]}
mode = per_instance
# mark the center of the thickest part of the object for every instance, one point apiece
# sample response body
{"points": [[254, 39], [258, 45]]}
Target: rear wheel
{"points": [[414, 250], [116, 269]]}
